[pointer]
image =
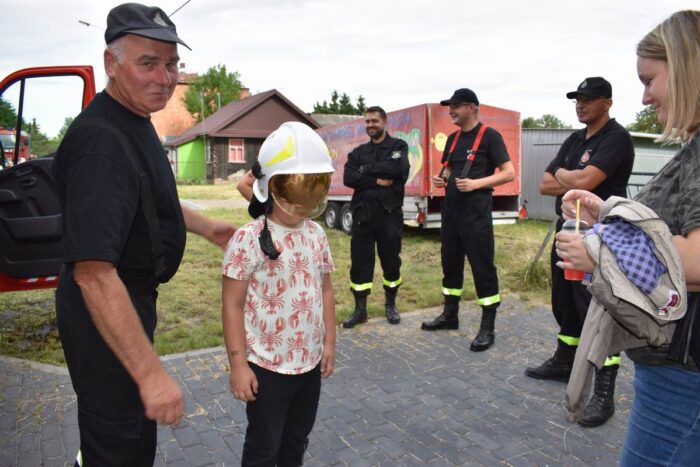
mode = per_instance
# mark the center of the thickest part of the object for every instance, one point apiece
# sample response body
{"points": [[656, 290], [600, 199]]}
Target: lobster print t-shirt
{"points": [[284, 304]]}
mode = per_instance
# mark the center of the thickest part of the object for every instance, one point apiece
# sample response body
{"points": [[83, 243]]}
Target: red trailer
{"points": [[425, 128]]}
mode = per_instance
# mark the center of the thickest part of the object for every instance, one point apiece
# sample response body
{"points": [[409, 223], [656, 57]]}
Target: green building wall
{"points": [[191, 165]]}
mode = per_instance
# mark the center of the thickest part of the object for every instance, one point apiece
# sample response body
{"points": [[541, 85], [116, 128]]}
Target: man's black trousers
{"points": [[467, 229], [372, 224], [570, 300], [113, 428]]}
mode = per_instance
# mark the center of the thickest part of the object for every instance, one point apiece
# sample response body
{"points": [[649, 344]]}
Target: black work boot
{"points": [[448, 319], [359, 314], [558, 367], [602, 405], [484, 339], [390, 306]]}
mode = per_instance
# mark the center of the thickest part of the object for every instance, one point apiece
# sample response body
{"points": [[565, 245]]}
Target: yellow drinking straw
{"points": [[578, 213]]}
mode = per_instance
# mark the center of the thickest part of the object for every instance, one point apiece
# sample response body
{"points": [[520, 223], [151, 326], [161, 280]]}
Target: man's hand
{"points": [[438, 182], [118, 323], [467, 184], [220, 233], [384, 181], [162, 398], [243, 383], [217, 232]]}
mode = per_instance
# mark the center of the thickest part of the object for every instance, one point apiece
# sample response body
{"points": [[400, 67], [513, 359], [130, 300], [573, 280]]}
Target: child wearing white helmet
{"points": [[278, 305]]}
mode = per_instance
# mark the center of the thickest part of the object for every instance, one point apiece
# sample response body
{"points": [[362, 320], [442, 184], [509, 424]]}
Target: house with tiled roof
{"points": [[229, 140]]}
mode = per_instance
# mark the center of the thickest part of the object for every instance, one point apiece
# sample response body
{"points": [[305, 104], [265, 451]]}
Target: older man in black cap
{"points": [[472, 155], [598, 158], [124, 233]]}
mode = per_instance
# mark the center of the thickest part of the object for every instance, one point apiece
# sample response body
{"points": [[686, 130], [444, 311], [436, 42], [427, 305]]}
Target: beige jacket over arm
{"points": [[620, 315]]}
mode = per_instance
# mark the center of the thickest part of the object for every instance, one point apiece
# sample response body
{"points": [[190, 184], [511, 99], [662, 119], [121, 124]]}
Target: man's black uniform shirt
{"points": [[99, 189], [610, 149], [491, 153], [368, 162]]}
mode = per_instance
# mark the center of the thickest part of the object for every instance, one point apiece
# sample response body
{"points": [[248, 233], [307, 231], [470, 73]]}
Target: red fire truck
{"points": [[8, 143]]}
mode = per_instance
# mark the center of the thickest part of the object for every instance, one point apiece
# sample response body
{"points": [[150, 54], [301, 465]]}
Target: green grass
{"points": [[224, 190], [189, 306]]}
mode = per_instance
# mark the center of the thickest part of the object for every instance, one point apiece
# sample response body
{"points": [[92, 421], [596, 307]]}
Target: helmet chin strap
{"points": [[266, 244]]}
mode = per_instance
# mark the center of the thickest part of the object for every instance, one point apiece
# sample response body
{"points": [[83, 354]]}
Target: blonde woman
{"points": [[664, 425]]}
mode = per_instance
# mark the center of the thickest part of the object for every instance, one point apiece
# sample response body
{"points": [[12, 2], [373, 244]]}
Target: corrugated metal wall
{"points": [[538, 149], [540, 146]]}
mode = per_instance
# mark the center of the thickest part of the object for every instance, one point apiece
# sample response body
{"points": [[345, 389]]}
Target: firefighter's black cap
{"points": [[462, 96], [142, 20], [592, 87]]}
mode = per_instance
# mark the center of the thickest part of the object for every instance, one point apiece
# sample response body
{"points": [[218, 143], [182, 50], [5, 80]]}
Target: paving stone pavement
{"points": [[399, 396]]}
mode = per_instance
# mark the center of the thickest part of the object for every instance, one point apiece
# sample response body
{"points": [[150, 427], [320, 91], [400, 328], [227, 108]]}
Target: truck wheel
{"points": [[331, 215], [346, 219]]}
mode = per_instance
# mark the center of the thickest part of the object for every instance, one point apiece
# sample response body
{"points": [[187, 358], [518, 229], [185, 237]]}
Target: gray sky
{"points": [[522, 56]]}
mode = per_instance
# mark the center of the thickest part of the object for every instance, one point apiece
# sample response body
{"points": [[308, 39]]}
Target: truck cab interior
{"points": [[40, 99]]}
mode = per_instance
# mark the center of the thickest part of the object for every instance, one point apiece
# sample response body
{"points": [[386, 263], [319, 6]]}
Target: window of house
{"points": [[235, 150]]}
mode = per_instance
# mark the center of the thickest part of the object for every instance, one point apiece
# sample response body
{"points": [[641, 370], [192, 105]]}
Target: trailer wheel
{"points": [[331, 215], [346, 219]]}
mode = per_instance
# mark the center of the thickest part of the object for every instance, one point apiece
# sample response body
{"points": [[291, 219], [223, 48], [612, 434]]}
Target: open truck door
{"points": [[42, 101]]}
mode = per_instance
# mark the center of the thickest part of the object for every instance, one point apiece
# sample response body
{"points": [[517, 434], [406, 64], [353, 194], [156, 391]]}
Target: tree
{"points": [[345, 105], [212, 90], [327, 108], [361, 107], [341, 104], [8, 116], [530, 122], [647, 121], [56, 140], [40, 143], [545, 121]]}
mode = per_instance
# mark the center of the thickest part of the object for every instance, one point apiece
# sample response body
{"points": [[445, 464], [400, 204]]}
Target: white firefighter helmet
{"points": [[293, 148]]}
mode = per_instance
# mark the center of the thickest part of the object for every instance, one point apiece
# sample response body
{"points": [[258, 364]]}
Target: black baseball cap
{"points": [[462, 96], [592, 87], [142, 20]]}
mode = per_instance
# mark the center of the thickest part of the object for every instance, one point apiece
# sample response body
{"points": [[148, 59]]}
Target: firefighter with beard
{"points": [[377, 171]]}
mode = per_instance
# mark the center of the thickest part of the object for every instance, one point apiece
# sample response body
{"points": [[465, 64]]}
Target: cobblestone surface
{"points": [[399, 396]]}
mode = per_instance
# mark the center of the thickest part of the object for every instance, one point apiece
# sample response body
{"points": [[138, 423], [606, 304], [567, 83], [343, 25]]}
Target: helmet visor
{"points": [[301, 195]]}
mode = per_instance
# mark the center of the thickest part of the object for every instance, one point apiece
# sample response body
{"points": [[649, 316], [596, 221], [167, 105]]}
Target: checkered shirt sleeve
{"points": [[635, 252]]}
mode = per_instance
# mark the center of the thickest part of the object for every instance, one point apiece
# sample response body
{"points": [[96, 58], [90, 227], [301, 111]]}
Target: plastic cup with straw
{"points": [[574, 225]]}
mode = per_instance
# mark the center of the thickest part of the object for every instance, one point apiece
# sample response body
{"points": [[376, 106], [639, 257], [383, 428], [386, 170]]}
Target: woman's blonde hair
{"points": [[677, 42]]}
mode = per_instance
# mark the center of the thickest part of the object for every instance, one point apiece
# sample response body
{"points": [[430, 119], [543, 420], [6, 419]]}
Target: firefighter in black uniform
{"points": [[377, 171], [598, 158], [470, 159], [123, 235]]}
